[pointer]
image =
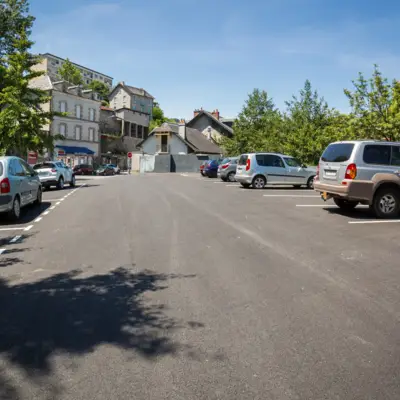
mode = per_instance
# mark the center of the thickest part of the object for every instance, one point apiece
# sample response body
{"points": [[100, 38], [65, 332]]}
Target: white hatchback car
{"points": [[54, 173], [19, 186]]}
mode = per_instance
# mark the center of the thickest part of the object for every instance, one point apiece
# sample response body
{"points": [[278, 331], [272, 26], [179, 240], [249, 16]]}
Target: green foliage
{"points": [[21, 116], [70, 73], [158, 117], [257, 127], [375, 105], [14, 18], [101, 88]]}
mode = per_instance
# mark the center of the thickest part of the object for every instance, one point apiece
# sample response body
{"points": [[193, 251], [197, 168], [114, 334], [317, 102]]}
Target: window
{"points": [[78, 111], [377, 154], [43, 165], [78, 132], [62, 129], [16, 168], [1, 169], [27, 168], [269, 160], [63, 106], [243, 159], [338, 152], [395, 155], [292, 162], [91, 134], [91, 114]]}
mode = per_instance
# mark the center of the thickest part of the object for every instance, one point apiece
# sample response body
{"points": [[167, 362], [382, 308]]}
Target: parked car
{"points": [[19, 186], [105, 170], [366, 172], [260, 169], [227, 169], [211, 168], [54, 173], [117, 170], [202, 166], [83, 169]]}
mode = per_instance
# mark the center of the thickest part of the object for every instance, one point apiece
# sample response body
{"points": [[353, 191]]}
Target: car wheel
{"points": [[345, 205], [15, 213], [310, 182], [386, 203], [60, 183], [245, 185], [39, 197], [223, 179], [259, 182], [73, 181], [113, 173], [231, 177]]}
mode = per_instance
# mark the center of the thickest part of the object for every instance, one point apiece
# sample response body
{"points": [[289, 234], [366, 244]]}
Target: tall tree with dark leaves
{"points": [[22, 116]]}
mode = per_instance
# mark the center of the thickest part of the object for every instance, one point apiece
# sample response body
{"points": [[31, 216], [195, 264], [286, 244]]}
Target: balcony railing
{"points": [[162, 148]]}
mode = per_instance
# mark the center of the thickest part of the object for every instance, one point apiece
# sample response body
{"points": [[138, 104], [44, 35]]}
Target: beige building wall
{"points": [[121, 99]]}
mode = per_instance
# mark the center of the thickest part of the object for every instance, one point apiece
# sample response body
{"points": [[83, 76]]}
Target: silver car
{"points": [[19, 186], [366, 172], [260, 169], [227, 169]]}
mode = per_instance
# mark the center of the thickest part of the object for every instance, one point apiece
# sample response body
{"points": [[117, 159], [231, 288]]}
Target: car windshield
{"points": [[43, 165], [292, 162], [337, 152]]}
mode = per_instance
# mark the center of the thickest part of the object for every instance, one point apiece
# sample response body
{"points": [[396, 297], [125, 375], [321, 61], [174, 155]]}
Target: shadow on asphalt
{"points": [[72, 314], [28, 214], [357, 213]]}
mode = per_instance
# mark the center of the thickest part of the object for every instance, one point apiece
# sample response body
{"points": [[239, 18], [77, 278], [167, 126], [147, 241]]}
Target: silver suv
{"points": [[366, 172], [260, 169], [227, 169], [19, 186]]}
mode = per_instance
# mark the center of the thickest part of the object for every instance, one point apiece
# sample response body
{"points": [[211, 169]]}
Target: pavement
{"points": [[173, 286]]}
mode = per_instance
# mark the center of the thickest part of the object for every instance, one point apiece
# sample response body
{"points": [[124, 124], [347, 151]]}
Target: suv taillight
{"points": [[351, 171], [53, 170], [248, 164], [5, 186]]}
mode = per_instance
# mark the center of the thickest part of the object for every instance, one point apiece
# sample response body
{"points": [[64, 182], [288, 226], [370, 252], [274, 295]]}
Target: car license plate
{"points": [[42, 173], [330, 173]]}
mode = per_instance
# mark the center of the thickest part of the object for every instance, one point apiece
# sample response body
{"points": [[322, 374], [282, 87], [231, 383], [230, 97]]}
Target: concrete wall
{"points": [[176, 145], [180, 163], [133, 116], [120, 99], [162, 163], [150, 145]]}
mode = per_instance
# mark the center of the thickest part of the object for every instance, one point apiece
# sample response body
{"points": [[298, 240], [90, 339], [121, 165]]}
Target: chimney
{"points": [[182, 129], [215, 114]]}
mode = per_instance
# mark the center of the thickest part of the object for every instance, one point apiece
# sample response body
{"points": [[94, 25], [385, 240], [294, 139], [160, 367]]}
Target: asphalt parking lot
{"points": [[176, 286]]}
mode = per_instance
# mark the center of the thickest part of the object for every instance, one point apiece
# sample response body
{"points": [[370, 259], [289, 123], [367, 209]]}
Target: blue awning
{"points": [[75, 150]]}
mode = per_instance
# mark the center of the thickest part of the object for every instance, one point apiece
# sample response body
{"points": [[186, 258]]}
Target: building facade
{"points": [[80, 124], [51, 64], [134, 106]]}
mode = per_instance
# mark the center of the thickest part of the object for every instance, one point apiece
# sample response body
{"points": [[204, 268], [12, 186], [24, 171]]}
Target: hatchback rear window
{"points": [[338, 152], [225, 160], [44, 165], [243, 159], [377, 154]]}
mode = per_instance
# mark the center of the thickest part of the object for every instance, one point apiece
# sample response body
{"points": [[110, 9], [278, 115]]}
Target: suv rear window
{"points": [[377, 154], [44, 165], [243, 159], [338, 152]]}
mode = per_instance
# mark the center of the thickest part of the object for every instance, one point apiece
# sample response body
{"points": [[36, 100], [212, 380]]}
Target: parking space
{"points": [[306, 202]]}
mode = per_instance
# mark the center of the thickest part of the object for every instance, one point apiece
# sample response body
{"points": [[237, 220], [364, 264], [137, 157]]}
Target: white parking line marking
{"points": [[15, 239], [376, 221], [324, 205], [51, 200], [289, 195], [2, 251], [52, 207], [218, 181], [38, 219], [232, 185], [59, 202], [11, 229], [46, 212], [28, 228]]}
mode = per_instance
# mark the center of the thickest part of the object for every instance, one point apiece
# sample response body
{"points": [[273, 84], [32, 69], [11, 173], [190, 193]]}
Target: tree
{"points": [[70, 73], [257, 127], [21, 116], [158, 117], [14, 18], [101, 88], [305, 123], [375, 105]]}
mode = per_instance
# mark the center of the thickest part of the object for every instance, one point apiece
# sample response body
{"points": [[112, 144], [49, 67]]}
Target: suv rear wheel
{"points": [[386, 203], [259, 182], [60, 183], [345, 205], [15, 212]]}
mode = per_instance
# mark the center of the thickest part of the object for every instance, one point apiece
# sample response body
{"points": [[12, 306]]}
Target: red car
{"points": [[83, 169]]}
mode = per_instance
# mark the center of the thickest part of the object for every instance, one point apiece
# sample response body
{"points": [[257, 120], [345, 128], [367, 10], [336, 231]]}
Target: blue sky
{"points": [[211, 54]]}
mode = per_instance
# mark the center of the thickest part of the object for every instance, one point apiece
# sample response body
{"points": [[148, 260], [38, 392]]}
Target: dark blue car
{"points": [[211, 169]]}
